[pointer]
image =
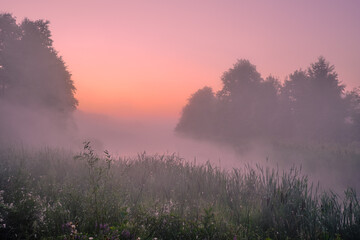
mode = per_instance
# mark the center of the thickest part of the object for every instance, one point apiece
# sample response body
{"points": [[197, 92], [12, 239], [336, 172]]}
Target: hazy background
{"points": [[145, 58]]}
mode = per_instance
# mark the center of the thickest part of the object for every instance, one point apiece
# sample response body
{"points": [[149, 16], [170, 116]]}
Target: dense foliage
{"points": [[31, 72], [36, 88], [310, 105], [50, 194]]}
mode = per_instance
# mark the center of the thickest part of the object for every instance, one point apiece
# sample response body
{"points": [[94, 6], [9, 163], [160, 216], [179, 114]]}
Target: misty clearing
{"points": [[260, 158]]}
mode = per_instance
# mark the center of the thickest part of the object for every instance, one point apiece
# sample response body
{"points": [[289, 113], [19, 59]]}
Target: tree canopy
{"points": [[310, 104], [316, 100], [198, 116], [32, 74], [36, 89]]}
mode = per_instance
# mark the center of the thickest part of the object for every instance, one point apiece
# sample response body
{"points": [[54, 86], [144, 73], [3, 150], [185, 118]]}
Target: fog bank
{"points": [[333, 166]]}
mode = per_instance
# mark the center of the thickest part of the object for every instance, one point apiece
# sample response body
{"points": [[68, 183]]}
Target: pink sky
{"points": [[145, 58]]}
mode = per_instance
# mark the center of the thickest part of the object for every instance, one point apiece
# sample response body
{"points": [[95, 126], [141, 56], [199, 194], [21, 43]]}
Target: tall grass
{"points": [[52, 194]]}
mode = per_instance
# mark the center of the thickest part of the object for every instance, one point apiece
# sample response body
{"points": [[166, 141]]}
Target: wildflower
{"points": [[105, 227], [125, 234], [91, 238]]}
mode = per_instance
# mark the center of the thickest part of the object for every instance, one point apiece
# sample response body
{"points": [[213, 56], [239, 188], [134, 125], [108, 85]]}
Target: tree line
{"points": [[310, 105]]}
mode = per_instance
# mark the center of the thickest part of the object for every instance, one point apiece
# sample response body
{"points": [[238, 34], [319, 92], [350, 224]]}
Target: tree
{"points": [[31, 72], [36, 89], [238, 80], [315, 100], [9, 32], [244, 108], [248, 103], [197, 119], [353, 119], [310, 105]]}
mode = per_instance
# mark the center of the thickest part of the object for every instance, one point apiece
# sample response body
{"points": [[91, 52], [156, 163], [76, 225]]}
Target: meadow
{"points": [[53, 193]]}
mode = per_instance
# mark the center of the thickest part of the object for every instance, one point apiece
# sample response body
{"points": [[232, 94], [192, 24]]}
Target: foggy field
{"points": [[161, 185], [334, 166], [158, 184], [150, 120], [46, 190]]}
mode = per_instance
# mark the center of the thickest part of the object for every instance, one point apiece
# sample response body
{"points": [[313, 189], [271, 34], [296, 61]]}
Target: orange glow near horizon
{"points": [[146, 59]]}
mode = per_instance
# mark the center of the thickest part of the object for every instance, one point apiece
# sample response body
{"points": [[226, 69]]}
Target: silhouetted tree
{"points": [[353, 119], [248, 103], [246, 107], [9, 32], [198, 115], [315, 100], [31, 72], [310, 105]]}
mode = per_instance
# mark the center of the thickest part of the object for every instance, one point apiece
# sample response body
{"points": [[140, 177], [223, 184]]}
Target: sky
{"points": [[145, 58]]}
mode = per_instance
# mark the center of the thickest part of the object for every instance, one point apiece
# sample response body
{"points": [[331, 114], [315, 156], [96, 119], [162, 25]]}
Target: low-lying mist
{"points": [[153, 136], [333, 166]]}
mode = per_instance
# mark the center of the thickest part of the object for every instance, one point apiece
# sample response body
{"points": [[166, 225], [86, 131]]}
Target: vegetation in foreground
{"points": [[49, 194]]}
